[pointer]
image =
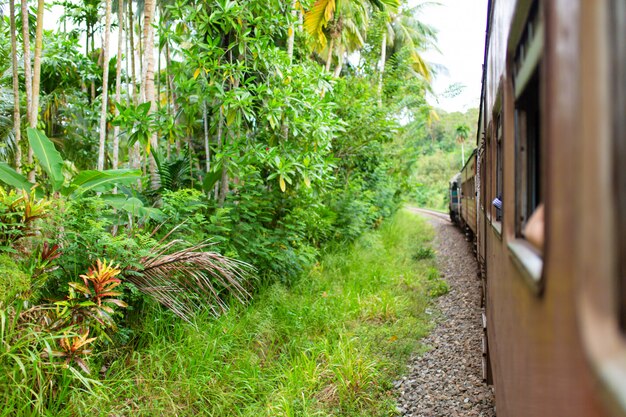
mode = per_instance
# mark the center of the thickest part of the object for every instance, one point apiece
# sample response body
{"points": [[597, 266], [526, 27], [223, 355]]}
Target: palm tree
{"points": [[291, 31], [462, 133], [404, 30], [16, 91], [34, 113], [28, 80], [327, 19], [118, 78], [105, 85], [147, 83]]}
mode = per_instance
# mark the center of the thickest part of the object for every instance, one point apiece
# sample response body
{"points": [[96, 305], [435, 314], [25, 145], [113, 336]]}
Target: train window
{"points": [[499, 166], [619, 154], [527, 80]]}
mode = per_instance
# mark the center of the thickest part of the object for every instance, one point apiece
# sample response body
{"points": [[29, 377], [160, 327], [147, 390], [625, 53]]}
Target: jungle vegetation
{"points": [[163, 163]]}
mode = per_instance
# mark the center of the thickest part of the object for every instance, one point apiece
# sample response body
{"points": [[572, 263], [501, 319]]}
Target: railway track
{"points": [[432, 213]]}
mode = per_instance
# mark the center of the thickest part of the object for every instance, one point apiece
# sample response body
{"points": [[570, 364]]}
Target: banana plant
{"points": [[51, 162]]}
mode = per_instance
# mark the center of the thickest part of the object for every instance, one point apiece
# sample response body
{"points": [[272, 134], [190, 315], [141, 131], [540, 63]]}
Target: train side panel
{"points": [[538, 352], [468, 198]]}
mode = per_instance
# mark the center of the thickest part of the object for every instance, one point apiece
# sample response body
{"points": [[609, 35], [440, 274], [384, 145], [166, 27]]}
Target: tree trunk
{"points": [[133, 76], [93, 48], [329, 60], [338, 67], [118, 80], [148, 82], [207, 149], [105, 85], [34, 113], [291, 33], [383, 58], [28, 79], [462, 154], [220, 132], [16, 90], [140, 54]]}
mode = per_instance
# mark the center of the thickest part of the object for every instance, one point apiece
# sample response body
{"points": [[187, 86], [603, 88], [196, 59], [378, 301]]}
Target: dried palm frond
{"points": [[190, 280]]}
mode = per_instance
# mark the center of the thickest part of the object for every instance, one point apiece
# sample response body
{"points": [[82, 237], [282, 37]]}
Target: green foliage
{"points": [[49, 158], [437, 155], [436, 286], [331, 344], [12, 178], [51, 161], [13, 281], [265, 156], [424, 253]]}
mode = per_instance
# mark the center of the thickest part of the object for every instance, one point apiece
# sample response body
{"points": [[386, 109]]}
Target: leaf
{"points": [[132, 205], [103, 180], [153, 213], [115, 301], [307, 182], [9, 176], [79, 287], [116, 201], [317, 18], [281, 181], [144, 108], [49, 158], [196, 73], [210, 178], [82, 365], [230, 117]]}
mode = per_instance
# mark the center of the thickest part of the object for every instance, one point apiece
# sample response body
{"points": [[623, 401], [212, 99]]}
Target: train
{"points": [[543, 199]]}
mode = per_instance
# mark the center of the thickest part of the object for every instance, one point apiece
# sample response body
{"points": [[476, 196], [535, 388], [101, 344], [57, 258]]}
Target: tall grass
{"points": [[330, 345]]}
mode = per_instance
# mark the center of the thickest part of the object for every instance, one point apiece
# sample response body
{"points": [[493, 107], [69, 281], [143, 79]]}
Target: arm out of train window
{"points": [[534, 229]]}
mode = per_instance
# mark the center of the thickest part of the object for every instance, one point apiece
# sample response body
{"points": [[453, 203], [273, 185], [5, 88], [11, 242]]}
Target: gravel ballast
{"points": [[447, 379]]}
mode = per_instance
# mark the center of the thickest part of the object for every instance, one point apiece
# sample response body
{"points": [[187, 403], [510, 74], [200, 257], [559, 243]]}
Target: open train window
{"points": [[527, 81], [526, 68], [619, 154], [499, 186], [527, 136]]}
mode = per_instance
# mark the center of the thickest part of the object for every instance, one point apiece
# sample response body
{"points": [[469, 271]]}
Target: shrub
{"points": [[12, 280]]}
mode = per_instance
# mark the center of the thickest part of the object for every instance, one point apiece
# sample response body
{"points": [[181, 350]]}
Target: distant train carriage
{"points": [[468, 196], [454, 198], [551, 223]]}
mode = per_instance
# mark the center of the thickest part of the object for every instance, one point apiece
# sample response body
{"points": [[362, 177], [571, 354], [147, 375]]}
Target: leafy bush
{"points": [[424, 252], [13, 280]]}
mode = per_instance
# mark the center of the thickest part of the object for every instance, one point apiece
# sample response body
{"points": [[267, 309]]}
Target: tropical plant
{"points": [[462, 133], [326, 21], [52, 163]]}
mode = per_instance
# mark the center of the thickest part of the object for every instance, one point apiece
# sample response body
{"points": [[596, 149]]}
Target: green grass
{"points": [[331, 345]]}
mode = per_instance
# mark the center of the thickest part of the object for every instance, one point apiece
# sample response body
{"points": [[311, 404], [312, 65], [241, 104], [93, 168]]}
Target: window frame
{"points": [[618, 29], [527, 77]]}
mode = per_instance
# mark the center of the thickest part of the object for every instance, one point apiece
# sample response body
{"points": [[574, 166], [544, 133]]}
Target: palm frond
{"points": [[174, 173], [317, 18], [191, 279]]}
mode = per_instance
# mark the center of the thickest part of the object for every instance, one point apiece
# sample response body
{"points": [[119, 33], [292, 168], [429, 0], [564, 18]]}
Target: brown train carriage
{"points": [[552, 137], [468, 196]]}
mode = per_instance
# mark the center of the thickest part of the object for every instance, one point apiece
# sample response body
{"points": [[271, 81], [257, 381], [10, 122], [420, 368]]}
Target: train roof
{"points": [[456, 179], [472, 155]]}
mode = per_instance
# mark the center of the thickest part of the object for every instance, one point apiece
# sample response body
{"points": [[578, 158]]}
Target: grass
{"points": [[330, 345]]}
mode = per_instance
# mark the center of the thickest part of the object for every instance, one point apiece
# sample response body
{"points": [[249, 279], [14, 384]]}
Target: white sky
{"points": [[461, 39]]}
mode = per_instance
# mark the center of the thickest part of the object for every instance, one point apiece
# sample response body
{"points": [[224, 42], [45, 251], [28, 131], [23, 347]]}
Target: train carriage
{"points": [[454, 198], [468, 196], [551, 222]]}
